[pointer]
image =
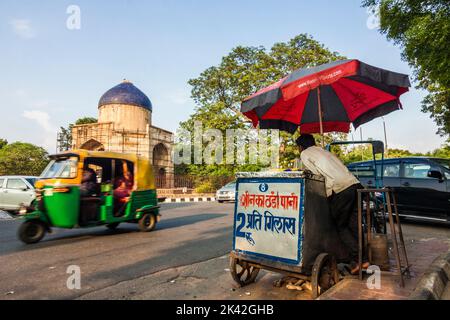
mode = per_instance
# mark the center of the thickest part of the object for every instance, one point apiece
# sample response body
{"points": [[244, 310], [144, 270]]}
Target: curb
{"points": [[191, 199], [433, 283]]}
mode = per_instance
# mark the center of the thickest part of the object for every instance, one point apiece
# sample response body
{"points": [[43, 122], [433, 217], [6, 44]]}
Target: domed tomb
{"points": [[126, 106]]}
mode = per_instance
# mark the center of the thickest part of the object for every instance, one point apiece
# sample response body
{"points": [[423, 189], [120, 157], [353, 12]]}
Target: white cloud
{"points": [[23, 28], [41, 118], [48, 136]]}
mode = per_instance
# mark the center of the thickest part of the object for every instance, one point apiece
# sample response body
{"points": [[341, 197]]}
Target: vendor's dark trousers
{"points": [[343, 206]]}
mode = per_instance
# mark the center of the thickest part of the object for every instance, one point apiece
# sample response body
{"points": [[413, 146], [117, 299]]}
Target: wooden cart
{"points": [[282, 224]]}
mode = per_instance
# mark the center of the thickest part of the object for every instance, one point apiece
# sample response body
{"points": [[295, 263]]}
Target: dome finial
{"points": [[125, 80]]}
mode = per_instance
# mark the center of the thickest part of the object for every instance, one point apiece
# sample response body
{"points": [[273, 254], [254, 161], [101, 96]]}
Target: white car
{"points": [[16, 191], [227, 192]]}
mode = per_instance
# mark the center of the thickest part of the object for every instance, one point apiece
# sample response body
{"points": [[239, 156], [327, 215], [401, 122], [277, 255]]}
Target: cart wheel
{"points": [[147, 222], [324, 275], [31, 231], [242, 272], [113, 226]]}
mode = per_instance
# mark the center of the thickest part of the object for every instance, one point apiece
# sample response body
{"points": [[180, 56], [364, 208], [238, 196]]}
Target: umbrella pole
{"points": [[320, 115]]}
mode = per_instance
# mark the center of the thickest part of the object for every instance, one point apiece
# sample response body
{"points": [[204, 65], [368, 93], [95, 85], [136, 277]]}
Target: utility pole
{"points": [[361, 139], [385, 137]]}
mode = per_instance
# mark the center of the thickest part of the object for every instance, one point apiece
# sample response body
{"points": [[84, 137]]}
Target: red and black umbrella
{"points": [[327, 98]]}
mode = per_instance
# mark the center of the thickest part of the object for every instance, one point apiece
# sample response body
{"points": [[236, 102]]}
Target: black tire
{"points": [[242, 273], [147, 222], [325, 274], [31, 231], [220, 201], [113, 226]]}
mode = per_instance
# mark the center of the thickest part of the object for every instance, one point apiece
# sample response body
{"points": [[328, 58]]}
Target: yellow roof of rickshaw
{"points": [[144, 173], [101, 154]]}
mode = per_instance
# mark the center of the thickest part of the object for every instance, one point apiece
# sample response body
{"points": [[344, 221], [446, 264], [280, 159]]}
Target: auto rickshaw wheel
{"points": [[242, 272], [325, 274], [31, 231], [147, 222], [113, 226]]}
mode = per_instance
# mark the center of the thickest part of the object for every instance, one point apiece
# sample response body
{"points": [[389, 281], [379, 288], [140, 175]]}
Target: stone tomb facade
{"points": [[125, 125]]}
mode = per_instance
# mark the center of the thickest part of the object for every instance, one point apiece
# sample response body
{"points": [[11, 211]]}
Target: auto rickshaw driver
{"points": [[89, 186]]}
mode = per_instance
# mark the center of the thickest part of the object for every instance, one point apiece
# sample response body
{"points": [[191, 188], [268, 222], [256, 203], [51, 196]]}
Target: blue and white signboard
{"points": [[268, 218]]}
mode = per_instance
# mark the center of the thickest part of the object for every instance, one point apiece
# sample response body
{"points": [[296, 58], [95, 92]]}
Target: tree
{"points": [[65, 134], [20, 158], [219, 90], [443, 152], [85, 120], [3, 142], [422, 29]]}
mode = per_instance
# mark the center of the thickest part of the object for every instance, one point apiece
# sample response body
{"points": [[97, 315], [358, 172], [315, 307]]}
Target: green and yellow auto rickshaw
{"points": [[121, 189]]}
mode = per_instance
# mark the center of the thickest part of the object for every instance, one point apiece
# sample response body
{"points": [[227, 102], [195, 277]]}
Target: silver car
{"points": [[227, 192], [16, 191]]}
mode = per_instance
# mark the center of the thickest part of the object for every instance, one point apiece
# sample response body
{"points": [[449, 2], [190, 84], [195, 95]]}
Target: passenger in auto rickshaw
{"points": [[122, 189], [341, 189]]}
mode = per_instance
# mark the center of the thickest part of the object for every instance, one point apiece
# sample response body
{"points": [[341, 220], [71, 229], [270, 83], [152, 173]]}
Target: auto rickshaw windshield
{"points": [[61, 168]]}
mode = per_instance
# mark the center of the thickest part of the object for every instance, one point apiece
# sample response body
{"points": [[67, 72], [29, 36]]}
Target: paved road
{"points": [[113, 262], [187, 233]]}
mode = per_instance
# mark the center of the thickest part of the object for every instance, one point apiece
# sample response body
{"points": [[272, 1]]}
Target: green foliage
{"points": [[422, 29], [359, 153], [205, 187], [219, 91], [65, 138], [65, 134], [443, 152], [364, 153], [21, 158], [3, 142], [86, 120]]}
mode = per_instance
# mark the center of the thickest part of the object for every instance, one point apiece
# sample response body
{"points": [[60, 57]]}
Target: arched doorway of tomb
{"points": [[92, 145]]}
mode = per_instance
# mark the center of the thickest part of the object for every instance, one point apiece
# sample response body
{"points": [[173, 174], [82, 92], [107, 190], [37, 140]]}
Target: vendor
{"points": [[341, 189]]}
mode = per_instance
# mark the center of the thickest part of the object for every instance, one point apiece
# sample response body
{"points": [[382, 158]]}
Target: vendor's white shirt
{"points": [[324, 163]]}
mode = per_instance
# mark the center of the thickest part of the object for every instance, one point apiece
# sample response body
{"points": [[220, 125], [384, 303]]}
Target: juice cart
{"points": [[282, 223]]}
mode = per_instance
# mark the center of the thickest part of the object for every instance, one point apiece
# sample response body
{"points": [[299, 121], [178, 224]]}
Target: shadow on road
{"points": [[192, 251], [68, 236]]}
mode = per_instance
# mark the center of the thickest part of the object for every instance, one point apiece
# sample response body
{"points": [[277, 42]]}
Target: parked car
{"points": [[16, 191], [422, 184], [227, 192]]}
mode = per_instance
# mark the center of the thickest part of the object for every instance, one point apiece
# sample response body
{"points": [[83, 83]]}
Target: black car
{"points": [[422, 184]]}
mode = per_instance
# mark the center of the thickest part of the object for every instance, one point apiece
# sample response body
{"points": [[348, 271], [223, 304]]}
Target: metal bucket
{"points": [[378, 251]]}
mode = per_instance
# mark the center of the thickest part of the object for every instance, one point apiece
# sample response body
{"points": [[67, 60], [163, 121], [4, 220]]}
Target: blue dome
{"points": [[125, 93]]}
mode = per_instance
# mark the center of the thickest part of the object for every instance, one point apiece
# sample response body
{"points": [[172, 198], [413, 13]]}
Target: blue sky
{"points": [[50, 75]]}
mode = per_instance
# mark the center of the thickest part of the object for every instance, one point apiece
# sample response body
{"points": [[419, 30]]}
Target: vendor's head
{"points": [[305, 141]]}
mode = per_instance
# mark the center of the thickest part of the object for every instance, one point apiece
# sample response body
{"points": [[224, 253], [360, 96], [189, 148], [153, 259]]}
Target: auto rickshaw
{"points": [[61, 200]]}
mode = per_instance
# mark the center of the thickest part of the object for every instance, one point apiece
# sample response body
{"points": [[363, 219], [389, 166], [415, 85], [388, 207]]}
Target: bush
{"points": [[205, 187]]}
